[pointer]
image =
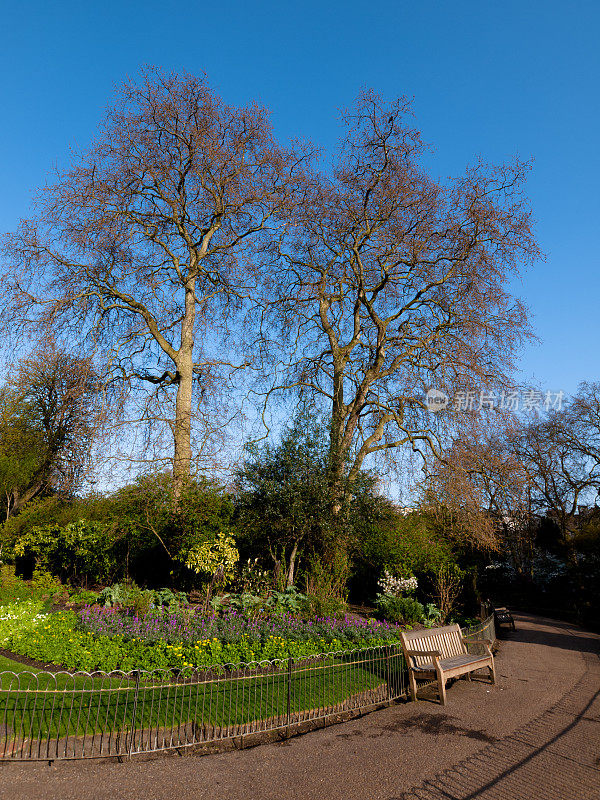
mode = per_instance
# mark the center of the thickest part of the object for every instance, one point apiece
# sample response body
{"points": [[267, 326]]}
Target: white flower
{"points": [[390, 584], [19, 616]]}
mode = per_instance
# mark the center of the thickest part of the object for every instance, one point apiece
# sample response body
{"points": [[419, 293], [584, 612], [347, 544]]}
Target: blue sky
{"points": [[495, 79]]}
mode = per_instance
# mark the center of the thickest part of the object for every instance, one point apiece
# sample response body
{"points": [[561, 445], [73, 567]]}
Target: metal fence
{"points": [[485, 630], [62, 715]]}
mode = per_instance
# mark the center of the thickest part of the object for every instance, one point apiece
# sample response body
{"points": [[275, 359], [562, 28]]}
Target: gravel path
{"points": [[533, 736]]}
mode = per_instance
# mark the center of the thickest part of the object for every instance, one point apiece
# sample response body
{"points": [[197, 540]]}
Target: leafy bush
{"points": [[11, 586], [83, 597], [400, 609], [319, 606], [111, 595], [283, 499], [213, 555], [166, 598], [326, 581], [145, 532], [401, 544], [79, 551], [44, 585], [290, 601], [53, 510], [131, 597], [127, 596], [432, 615], [155, 534]]}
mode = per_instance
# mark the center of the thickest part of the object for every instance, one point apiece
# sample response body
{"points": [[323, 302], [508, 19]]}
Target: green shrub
{"points": [[401, 544], [219, 553], [245, 602], [39, 513], [166, 598], [405, 610], [155, 535], [11, 586], [316, 605], [128, 596], [83, 597], [131, 597], [432, 615], [44, 585], [326, 585], [78, 552], [290, 601]]}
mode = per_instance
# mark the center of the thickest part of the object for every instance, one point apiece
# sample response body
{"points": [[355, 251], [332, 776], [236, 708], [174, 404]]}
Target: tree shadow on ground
{"points": [[568, 637], [434, 725]]}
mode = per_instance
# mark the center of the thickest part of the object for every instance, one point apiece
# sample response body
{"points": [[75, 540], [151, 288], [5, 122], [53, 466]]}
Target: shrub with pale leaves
{"points": [[219, 553]]}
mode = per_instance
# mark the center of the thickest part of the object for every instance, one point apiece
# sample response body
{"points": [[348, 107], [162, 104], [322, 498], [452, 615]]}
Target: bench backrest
{"points": [[448, 641]]}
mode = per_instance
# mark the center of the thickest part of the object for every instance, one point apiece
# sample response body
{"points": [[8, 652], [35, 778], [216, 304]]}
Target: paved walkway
{"points": [[533, 736]]}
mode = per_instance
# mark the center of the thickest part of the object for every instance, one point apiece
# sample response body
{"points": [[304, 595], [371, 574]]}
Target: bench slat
{"points": [[454, 661]]}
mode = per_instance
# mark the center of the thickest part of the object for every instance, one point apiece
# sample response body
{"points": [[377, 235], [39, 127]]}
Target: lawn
{"points": [[37, 707]]}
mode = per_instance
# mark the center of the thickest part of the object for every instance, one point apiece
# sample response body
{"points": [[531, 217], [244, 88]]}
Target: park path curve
{"points": [[536, 734]]}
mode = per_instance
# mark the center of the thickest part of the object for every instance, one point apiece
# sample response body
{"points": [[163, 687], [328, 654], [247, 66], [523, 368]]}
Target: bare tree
{"points": [[560, 474], [580, 429], [483, 482], [527, 467], [391, 283], [146, 246], [447, 583]]}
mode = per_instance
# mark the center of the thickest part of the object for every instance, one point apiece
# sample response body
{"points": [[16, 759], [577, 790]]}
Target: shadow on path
{"points": [[554, 757], [562, 635]]}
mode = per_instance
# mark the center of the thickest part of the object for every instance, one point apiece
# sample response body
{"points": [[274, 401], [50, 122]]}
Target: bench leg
{"points": [[492, 669], [442, 688], [413, 685], [467, 676]]}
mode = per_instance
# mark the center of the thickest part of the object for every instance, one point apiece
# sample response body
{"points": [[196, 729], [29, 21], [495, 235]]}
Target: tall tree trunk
{"points": [[336, 437], [182, 430], [292, 566]]}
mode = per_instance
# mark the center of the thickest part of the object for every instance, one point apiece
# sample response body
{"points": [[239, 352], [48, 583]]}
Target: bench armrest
{"points": [[411, 654], [423, 653]]}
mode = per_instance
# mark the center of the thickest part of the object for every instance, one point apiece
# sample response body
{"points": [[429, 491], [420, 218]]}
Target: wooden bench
{"points": [[444, 653], [502, 616]]}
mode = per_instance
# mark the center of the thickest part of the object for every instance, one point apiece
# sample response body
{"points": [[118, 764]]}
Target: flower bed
{"points": [[107, 639], [19, 617]]}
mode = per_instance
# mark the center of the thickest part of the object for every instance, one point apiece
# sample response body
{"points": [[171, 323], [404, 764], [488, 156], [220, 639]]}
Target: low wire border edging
{"points": [[45, 716]]}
